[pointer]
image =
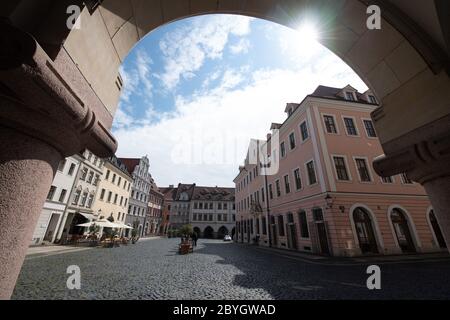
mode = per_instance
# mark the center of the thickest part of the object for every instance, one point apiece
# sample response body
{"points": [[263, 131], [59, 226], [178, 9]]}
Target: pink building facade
{"points": [[325, 197]]}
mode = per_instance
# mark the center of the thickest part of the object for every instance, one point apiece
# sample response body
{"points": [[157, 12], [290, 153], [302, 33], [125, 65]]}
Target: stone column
{"points": [[27, 167], [424, 155], [42, 120]]}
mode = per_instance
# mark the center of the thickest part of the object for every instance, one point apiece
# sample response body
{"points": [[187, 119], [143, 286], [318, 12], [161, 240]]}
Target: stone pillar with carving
{"points": [[42, 120], [424, 155]]}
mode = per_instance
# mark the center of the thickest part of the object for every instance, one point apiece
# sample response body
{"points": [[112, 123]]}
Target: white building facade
{"points": [[57, 200]]}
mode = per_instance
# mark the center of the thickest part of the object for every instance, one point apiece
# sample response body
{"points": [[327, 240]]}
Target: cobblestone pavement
{"points": [[218, 270]]}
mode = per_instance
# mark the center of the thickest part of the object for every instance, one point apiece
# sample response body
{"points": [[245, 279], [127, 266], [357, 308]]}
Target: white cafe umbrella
{"points": [[101, 223], [122, 226]]}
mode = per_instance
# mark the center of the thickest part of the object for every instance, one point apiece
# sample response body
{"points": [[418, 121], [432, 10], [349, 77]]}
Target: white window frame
{"points": [[285, 150], [289, 181], [289, 140], [307, 130], [365, 129], [347, 167], [301, 179], [372, 180], [355, 123], [315, 172], [335, 124]]}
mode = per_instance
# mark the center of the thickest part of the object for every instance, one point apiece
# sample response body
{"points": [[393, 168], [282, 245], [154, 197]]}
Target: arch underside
{"points": [[392, 61]]}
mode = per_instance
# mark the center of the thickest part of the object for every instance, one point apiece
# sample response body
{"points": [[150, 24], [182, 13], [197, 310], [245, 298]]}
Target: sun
{"points": [[308, 33]]}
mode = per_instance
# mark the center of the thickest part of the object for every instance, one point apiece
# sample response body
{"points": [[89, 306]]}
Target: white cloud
{"points": [[205, 139], [136, 79], [186, 49], [241, 47]]}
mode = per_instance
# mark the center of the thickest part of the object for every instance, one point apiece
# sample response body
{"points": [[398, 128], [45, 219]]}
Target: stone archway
{"points": [[73, 75], [208, 233], [222, 232]]}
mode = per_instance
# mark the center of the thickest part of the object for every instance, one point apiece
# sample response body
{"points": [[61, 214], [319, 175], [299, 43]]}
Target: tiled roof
{"points": [[332, 93], [213, 193], [130, 163]]}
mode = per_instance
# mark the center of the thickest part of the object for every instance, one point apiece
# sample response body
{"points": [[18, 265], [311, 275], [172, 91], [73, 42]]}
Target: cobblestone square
{"points": [[153, 269]]}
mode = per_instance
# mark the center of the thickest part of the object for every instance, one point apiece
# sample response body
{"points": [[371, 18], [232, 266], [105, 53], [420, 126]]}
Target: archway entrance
{"points": [[223, 231], [437, 230], [208, 233], [402, 231], [365, 231]]}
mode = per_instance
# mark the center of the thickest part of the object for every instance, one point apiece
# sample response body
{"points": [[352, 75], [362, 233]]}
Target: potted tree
{"points": [[186, 245]]}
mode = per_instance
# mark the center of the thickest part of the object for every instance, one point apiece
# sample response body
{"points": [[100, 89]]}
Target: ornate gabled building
{"points": [[140, 192]]}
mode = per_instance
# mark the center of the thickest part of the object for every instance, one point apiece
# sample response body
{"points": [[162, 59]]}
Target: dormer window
{"points": [[290, 111], [349, 96], [372, 99]]}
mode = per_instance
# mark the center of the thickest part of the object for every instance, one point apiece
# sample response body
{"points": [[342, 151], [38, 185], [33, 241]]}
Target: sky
{"points": [[197, 90]]}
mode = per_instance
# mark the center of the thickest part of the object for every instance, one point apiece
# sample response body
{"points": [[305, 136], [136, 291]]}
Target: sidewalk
{"points": [[49, 250], [361, 260]]}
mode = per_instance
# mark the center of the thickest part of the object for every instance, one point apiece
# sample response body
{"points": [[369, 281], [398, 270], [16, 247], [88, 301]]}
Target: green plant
{"points": [[185, 231], [93, 230]]}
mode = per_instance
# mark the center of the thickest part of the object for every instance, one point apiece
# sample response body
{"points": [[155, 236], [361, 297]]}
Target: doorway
{"points": [[437, 230], [50, 233], [402, 231], [291, 232], [365, 231], [321, 231]]}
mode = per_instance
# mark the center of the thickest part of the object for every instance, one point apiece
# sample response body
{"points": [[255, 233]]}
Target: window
{"points": [[107, 174], [363, 170], [219, 206], [61, 165], [387, 180], [62, 196], [372, 99], [83, 199], [84, 174], [119, 181], [210, 206], [292, 141], [370, 129], [330, 125], [349, 96], [278, 188], [51, 193], [115, 198], [350, 127], [270, 192], [341, 168], [283, 150], [109, 196], [262, 195], [264, 226], [76, 197], [287, 185], [405, 179], [90, 177], [114, 178], [225, 206], [311, 173], [304, 232], [281, 226], [298, 179], [200, 205], [195, 205], [96, 180], [304, 131], [71, 169], [90, 201]]}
